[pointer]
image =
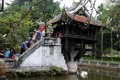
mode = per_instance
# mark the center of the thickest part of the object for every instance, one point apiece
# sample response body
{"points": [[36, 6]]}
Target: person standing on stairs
{"points": [[38, 35], [23, 47]]}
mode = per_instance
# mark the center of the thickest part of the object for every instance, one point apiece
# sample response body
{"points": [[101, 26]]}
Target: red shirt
{"points": [[41, 28]]}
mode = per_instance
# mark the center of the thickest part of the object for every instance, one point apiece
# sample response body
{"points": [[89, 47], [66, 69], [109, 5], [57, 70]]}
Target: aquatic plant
{"points": [[55, 71]]}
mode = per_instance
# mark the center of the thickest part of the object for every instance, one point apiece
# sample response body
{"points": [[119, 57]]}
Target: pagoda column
{"points": [[69, 53]]}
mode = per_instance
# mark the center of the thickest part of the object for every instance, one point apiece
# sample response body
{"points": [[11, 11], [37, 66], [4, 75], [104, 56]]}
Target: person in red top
{"points": [[42, 27]]}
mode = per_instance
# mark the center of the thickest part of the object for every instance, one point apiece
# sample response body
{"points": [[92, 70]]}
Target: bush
{"points": [[55, 70], [17, 47]]}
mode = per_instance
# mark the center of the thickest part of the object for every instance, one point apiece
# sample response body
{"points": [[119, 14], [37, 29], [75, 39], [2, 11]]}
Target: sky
{"points": [[98, 2], [8, 1], [68, 3]]}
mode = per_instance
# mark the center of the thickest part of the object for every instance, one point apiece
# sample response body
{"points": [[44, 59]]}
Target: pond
{"points": [[84, 73]]}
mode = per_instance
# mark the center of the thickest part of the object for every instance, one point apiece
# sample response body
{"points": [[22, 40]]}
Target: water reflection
{"points": [[84, 73], [100, 74], [72, 77], [69, 77]]}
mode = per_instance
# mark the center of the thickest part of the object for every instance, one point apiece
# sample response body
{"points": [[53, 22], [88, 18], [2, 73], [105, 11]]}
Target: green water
{"points": [[92, 74]]}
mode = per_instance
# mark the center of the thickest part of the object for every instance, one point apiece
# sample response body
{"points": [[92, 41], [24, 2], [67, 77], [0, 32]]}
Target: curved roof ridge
{"points": [[75, 17]]}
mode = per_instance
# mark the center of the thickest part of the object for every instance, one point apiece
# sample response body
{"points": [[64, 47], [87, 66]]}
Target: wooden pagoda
{"points": [[76, 31]]}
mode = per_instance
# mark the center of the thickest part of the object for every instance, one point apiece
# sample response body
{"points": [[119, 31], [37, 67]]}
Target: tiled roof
{"points": [[75, 17]]}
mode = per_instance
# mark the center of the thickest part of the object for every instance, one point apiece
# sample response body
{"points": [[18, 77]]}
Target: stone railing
{"points": [[10, 63], [35, 46], [29, 51], [110, 65]]}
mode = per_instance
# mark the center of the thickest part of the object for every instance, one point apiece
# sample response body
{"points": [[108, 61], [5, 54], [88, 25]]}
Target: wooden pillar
{"points": [[102, 43], [2, 6], [72, 66], [95, 44], [66, 45], [66, 49]]}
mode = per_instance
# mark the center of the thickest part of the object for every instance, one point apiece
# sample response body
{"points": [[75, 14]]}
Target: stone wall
{"points": [[10, 63], [107, 65]]}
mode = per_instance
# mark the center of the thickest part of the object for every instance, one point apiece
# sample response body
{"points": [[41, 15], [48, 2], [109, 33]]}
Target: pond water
{"points": [[84, 73]]}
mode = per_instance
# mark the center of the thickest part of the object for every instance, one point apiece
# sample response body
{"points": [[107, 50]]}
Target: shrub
{"points": [[55, 70]]}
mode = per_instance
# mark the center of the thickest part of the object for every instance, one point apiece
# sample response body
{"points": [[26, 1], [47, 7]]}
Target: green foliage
{"points": [[55, 70], [109, 14], [17, 47], [107, 51], [103, 13], [21, 17]]}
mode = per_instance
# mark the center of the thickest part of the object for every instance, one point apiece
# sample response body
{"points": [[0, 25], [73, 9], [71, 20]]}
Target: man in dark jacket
{"points": [[38, 35], [23, 47]]}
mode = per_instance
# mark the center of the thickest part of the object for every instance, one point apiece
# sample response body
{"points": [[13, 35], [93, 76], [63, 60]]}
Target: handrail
{"points": [[30, 50]]}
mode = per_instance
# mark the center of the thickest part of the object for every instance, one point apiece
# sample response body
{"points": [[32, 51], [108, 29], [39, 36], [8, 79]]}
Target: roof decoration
{"points": [[73, 14]]}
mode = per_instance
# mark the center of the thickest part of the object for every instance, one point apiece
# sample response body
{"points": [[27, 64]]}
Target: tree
{"points": [[109, 14], [17, 20]]}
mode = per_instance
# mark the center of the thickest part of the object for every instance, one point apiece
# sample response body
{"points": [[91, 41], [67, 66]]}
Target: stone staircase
{"points": [[43, 41], [30, 51]]}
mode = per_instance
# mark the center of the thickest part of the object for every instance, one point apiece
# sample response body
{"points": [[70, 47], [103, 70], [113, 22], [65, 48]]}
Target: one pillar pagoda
{"points": [[76, 30]]}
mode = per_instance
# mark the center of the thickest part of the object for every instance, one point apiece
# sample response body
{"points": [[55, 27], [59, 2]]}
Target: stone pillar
{"points": [[72, 67], [2, 69]]}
